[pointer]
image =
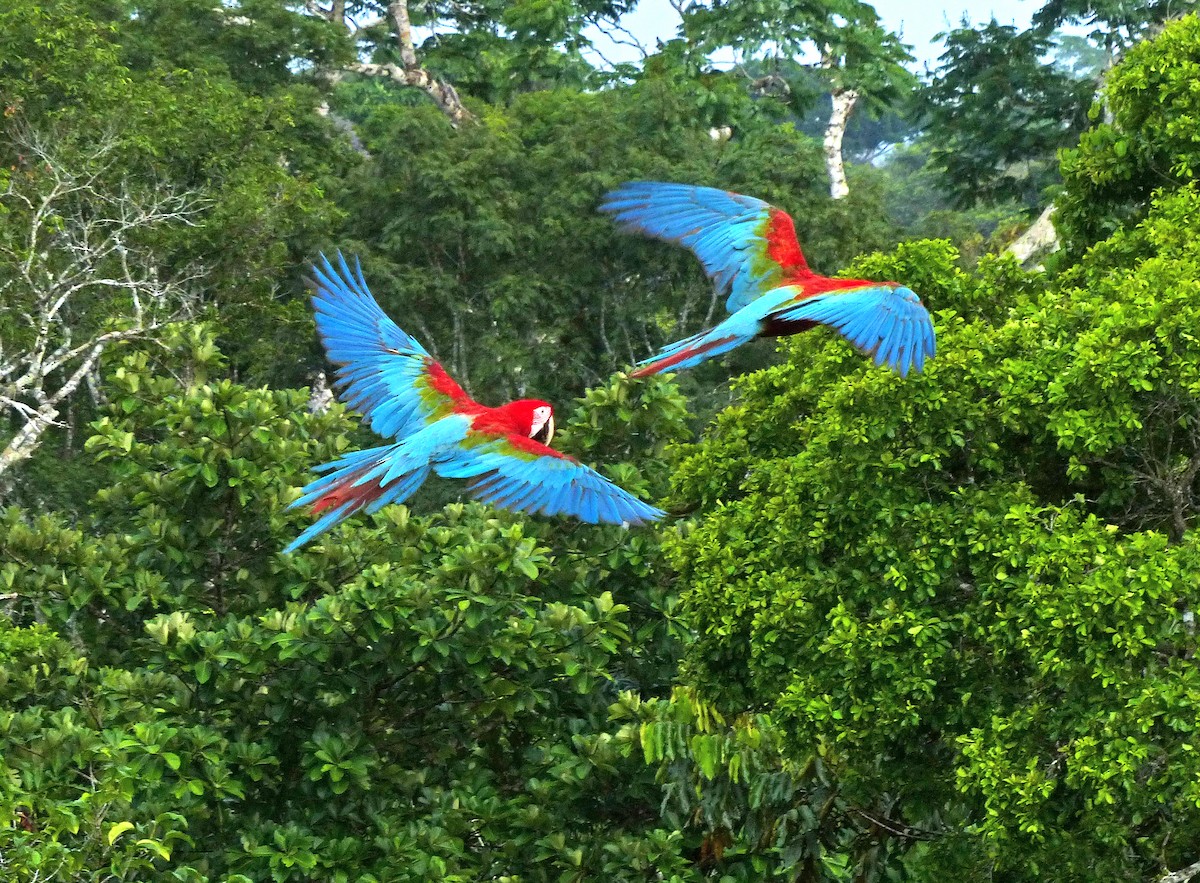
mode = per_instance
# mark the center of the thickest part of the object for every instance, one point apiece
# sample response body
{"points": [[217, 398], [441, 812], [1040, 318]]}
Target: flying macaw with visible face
{"points": [[749, 249], [406, 395]]}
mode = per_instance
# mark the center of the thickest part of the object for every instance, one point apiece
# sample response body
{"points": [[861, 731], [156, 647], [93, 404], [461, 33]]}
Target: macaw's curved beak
{"points": [[546, 433]]}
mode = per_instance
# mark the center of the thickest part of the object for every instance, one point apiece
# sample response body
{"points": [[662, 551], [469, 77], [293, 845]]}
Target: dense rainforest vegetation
{"points": [[927, 629]]}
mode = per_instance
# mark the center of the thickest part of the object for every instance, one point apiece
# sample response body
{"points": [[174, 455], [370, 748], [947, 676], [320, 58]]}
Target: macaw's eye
{"points": [[545, 432]]}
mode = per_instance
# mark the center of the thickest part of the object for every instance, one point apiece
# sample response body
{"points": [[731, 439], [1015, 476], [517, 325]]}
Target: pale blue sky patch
{"points": [[916, 21]]}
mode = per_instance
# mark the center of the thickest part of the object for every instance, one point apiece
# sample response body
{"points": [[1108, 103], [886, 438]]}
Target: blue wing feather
{"points": [[372, 478], [381, 368], [360, 480], [725, 230], [547, 484], [886, 322]]}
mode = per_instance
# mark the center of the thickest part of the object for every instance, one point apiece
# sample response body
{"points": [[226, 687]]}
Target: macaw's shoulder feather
{"points": [[747, 246], [383, 372], [516, 472]]}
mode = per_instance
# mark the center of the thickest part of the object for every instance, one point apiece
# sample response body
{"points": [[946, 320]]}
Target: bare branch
{"points": [[619, 35], [78, 279]]}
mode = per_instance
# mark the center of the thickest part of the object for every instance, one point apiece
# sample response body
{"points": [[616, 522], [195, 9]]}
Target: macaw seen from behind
{"points": [[404, 394], [749, 249]]}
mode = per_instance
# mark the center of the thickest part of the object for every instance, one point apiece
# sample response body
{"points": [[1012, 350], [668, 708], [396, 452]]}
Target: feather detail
{"points": [[886, 322], [360, 480], [383, 373], [747, 246], [521, 474], [404, 393], [749, 249], [687, 353]]}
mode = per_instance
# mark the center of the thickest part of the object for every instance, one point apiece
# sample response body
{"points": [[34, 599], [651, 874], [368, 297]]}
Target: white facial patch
{"points": [[540, 416]]}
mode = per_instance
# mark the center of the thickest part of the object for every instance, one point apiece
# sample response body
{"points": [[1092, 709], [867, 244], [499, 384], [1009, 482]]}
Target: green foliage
{"points": [[968, 591], [495, 50], [755, 814], [998, 112], [414, 698], [72, 78], [45, 47], [255, 43], [1151, 142], [1118, 23], [937, 628], [857, 52]]}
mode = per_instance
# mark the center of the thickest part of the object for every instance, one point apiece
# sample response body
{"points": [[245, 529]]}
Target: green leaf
{"points": [[117, 830]]}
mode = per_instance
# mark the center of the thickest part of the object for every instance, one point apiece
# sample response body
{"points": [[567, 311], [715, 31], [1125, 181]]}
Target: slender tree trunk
{"points": [[398, 10], [843, 103]]}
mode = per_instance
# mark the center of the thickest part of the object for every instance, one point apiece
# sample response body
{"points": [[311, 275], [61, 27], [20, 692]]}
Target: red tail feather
{"points": [[674, 359], [345, 491]]}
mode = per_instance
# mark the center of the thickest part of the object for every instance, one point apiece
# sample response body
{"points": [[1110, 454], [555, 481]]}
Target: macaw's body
{"points": [[749, 249], [405, 394]]}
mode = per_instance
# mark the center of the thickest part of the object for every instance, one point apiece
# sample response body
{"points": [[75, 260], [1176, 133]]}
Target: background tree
{"points": [[489, 237], [991, 581], [857, 57], [997, 113], [965, 654], [414, 698], [78, 274], [1111, 176], [987, 583], [1116, 25]]}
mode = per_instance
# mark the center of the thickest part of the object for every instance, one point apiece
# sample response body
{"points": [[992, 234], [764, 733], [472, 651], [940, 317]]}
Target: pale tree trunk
{"points": [[39, 419], [1040, 239], [409, 72], [76, 281], [843, 103]]}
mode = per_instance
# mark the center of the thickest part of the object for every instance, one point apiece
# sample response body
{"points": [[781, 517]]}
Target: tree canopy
{"points": [[925, 628]]}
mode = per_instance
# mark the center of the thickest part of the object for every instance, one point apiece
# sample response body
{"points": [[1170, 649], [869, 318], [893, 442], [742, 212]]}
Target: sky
{"points": [[915, 20]]}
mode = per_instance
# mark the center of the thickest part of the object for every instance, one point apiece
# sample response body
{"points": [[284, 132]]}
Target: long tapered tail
{"points": [[363, 480], [690, 351]]}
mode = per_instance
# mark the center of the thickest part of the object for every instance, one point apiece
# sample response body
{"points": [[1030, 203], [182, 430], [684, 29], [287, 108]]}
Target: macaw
{"points": [[749, 249], [404, 394]]}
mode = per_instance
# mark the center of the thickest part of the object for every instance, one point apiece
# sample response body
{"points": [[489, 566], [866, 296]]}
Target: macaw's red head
{"points": [[534, 418]]}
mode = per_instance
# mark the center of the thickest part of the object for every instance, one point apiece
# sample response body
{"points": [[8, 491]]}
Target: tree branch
{"points": [[409, 72], [443, 94], [78, 280], [1183, 875]]}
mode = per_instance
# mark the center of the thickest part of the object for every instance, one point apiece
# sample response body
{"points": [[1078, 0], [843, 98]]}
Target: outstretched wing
{"points": [[519, 473], [886, 322], [747, 246], [384, 374]]}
